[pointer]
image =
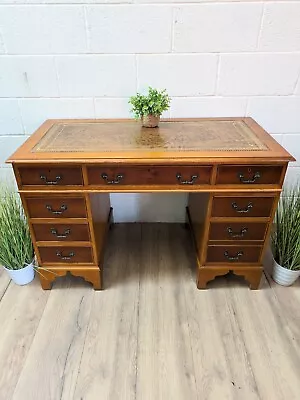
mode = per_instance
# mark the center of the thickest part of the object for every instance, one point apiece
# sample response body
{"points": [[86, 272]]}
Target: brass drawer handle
{"points": [[57, 179], [63, 208], [60, 235], [237, 234], [64, 258], [183, 182], [233, 258], [255, 178], [242, 210], [118, 179]]}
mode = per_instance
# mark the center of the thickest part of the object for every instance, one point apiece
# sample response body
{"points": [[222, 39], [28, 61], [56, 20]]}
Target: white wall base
{"points": [[149, 207]]}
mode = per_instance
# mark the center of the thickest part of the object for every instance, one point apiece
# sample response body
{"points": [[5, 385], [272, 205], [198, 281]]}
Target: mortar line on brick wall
{"points": [[136, 65], [2, 43], [262, 17], [57, 76], [297, 83], [14, 135], [269, 53], [87, 30], [191, 96], [216, 88], [247, 107], [173, 22], [134, 2], [21, 116], [94, 106]]}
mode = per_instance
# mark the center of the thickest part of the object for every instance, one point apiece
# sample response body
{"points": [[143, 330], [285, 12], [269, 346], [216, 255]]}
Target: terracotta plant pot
{"points": [[150, 121]]}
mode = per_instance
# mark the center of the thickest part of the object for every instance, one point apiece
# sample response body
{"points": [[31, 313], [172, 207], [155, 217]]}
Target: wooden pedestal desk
{"points": [[231, 168]]}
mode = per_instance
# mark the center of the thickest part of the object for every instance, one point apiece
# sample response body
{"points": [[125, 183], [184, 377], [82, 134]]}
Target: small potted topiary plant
{"points": [[150, 107]]}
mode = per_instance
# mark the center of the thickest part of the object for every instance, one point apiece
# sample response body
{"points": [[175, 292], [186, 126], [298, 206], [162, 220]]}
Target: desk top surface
{"points": [[126, 140]]}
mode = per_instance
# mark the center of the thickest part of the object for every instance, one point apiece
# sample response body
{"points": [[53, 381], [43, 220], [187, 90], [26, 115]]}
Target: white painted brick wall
{"points": [[96, 75], [217, 27], [35, 111], [179, 73], [129, 29], [28, 76], [258, 74], [281, 27], [84, 58]]}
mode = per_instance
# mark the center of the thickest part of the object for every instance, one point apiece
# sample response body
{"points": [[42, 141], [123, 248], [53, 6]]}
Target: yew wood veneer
{"points": [[232, 169]]}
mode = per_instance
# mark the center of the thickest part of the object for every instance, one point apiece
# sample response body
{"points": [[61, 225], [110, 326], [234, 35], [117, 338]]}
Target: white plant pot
{"points": [[284, 276], [21, 276]]}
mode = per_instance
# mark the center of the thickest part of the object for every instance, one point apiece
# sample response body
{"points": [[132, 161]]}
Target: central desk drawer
{"points": [[61, 232], [242, 206], [155, 175], [66, 254], [51, 176], [56, 207], [237, 231], [233, 254]]}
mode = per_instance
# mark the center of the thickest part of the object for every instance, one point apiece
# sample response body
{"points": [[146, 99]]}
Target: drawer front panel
{"points": [[56, 207], [67, 254], [237, 231], [233, 254], [52, 176], [61, 232], [242, 206], [249, 174], [156, 175]]}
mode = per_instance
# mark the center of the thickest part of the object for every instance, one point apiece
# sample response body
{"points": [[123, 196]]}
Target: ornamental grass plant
{"points": [[285, 238], [16, 249]]}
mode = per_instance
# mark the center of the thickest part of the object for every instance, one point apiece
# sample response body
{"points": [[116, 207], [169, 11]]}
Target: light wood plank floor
{"points": [[150, 334]]}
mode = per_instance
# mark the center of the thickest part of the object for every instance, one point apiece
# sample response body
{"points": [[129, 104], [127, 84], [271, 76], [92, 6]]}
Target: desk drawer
{"points": [[61, 232], [156, 175], [66, 254], [237, 231], [242, 206], [51, 176], [233, 254], [56, 207], [249, 174]]}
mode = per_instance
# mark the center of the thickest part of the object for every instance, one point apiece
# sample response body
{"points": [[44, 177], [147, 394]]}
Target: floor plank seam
{"points": [[188, 324], [246, 350], [192, 353], [268, 279], [245, 346], [34, 336], [138, 317], [289, 334], [69, 348], [137, 341], [83, 347], [5, 290]]}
